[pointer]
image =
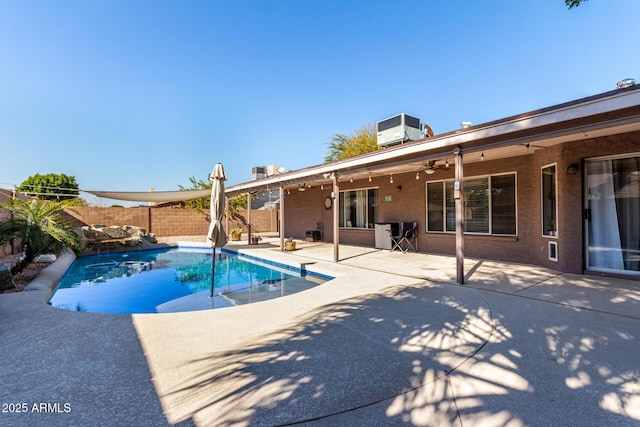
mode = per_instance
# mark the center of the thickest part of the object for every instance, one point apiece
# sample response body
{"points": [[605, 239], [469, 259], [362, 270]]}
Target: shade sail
{"points": [[151, 196]]}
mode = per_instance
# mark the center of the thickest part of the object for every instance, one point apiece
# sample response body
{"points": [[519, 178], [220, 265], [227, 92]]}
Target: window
{"points": [[549, 204], [359, 208], [612, 201], [435, 202], [476, 205], [489, 205], [503, 204]]}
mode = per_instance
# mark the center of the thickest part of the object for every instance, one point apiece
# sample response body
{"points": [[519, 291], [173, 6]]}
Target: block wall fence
{"points": [[162, 222], [165, 222]]}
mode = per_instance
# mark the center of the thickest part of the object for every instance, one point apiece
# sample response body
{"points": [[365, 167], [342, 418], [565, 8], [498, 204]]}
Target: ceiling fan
{"points": [[430, 167]]}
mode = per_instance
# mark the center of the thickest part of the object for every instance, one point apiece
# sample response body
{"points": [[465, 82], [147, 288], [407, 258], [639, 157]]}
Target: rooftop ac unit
{"points": [[398, 129], [258, 172]]}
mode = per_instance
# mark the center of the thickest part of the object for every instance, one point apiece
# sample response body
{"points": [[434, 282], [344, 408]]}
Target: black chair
{"points": [[407, 238]]}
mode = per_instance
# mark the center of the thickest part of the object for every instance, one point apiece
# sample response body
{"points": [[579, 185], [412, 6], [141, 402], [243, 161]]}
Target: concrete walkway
{"points": [[390, 341]]}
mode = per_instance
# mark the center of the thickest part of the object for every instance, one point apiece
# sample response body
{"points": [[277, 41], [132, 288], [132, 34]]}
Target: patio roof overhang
{"points": [[610, 113]]}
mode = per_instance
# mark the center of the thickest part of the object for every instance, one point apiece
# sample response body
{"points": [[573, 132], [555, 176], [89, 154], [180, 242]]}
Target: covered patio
{"points": [[560, 136]]}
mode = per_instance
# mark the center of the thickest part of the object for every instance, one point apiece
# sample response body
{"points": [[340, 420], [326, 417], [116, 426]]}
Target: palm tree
{"points": [[336, 147], [364, 140], [37, 225], [573, 3]]}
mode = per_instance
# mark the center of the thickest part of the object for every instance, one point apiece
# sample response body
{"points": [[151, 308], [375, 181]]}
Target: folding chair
{"points": [[407, 239]]}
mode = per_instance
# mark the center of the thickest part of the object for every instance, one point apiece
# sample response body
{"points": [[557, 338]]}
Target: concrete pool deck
{"points": [[390, 341]]}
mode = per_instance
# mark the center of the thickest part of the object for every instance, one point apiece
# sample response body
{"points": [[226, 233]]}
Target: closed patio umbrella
{"points": [[216, 238]]}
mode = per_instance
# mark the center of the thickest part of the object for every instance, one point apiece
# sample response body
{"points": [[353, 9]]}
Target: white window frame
{"points": [[489, 183], [542, 199], [552, 244], [343, 207]]}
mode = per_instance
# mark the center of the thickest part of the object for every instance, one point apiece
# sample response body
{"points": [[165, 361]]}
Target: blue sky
{"points": [[133, 95]]}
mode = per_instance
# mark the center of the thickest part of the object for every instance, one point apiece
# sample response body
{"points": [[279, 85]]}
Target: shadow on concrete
{"points": [[555, 365], [424, 356], [69, 368], [352, 354]]}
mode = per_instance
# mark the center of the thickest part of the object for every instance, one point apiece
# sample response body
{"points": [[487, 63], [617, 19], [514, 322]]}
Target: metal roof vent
{"points": [[625, 83], [465, 125]]}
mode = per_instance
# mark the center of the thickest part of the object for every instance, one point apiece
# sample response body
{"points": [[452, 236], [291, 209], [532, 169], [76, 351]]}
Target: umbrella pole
{"points": [[213, 270]]}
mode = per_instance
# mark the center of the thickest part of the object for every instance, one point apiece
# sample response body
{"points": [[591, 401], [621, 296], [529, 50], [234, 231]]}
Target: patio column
{"points": [[281, 213], [459, 206], [335, 195], [249, 218], [226, 212]]}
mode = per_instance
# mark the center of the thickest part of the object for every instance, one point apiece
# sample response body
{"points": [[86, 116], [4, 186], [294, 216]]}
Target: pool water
{"points": [[173, 280]]}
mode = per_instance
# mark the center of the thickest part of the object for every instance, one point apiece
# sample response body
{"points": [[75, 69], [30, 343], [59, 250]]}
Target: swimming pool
{"points": [[173, 280]]}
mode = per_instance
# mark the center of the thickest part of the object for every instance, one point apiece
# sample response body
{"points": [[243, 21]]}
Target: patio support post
{"points": [[459, 206], [248, 218], [226, 212], [281, 213], [335, 195]]}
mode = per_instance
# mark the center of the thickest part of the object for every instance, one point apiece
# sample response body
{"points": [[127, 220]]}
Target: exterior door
{"points": [[612, 216]]}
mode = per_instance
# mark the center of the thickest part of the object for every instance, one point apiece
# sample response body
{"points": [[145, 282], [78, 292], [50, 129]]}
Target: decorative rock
{"points": [[133, 231], [150, 238], [99, 237], [93, 232], [45, 258], [132, 241], [6, 279], [115, 232]]}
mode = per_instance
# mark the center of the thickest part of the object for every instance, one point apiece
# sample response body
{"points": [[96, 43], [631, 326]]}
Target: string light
{"points": [[391, 179], [369, 176]]}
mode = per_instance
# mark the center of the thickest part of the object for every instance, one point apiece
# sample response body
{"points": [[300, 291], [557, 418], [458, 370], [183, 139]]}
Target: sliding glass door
{"points": [[613, 214]]}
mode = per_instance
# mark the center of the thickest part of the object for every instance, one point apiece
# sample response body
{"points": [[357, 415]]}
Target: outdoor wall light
{"points": [[446, 163], [418, 175], [572, 169], [391, 179], [369, 176]]}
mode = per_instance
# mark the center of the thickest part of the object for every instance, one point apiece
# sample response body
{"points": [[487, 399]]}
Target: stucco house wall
{"points": [[304, 210]]}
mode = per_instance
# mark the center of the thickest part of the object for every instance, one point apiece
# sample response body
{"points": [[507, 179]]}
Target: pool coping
{"points": [[49, 277]]}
